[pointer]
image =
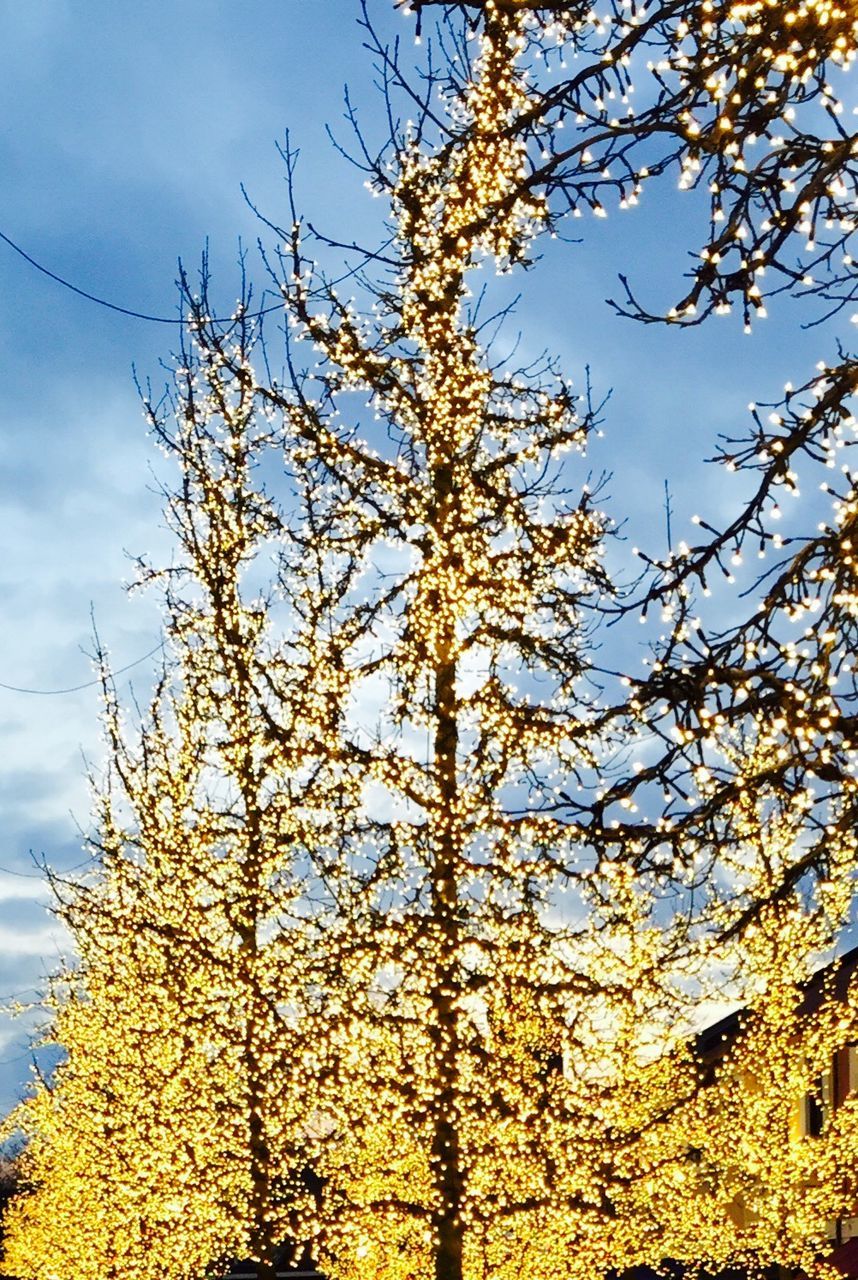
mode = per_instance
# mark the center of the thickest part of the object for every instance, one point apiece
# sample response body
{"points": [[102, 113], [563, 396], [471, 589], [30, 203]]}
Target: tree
{"points": [[167, 1139], [489, 951]]}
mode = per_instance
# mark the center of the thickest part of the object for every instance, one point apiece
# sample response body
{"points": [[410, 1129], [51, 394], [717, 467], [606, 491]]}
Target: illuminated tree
{"points": [[520, 817], [168, 1139], [477, 896], [782, 185], [738, 100], [443, 942]]}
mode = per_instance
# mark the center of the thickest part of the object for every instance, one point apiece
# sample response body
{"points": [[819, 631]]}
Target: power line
{"points": [[87, 684], [135, 315], [114, 306]]}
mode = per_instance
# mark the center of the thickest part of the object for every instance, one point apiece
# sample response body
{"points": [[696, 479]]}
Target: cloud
{"points": [[39, 942], [14, 885]]}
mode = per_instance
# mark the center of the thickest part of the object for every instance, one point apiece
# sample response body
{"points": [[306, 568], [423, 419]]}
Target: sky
{"points": [[129, 130]]}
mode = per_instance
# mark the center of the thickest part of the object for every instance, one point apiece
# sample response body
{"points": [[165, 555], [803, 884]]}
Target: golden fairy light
{"points": [[798, 37]]}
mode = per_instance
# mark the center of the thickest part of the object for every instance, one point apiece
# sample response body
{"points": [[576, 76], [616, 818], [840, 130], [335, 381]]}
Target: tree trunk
{"points": [[446, 1152], [259, 1152]]}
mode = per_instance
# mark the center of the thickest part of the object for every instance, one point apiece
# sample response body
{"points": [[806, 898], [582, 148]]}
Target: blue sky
{"points": [[127, 132]]}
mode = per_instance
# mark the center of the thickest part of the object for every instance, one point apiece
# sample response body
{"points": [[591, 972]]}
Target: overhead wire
{"points": [[114, 306], [87, 684], [136, 315]]}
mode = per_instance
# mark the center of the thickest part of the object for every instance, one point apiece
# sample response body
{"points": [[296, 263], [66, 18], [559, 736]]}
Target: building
{"points": [[832, 1088]]}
